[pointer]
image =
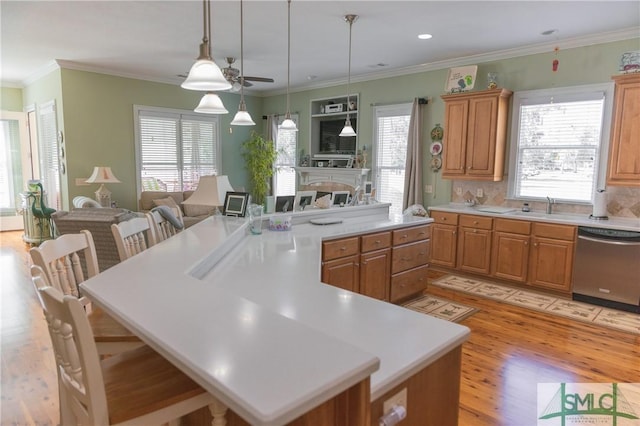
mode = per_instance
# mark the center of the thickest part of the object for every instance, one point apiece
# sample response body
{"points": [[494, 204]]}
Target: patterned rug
{"points": [[612, 318], [440, 308]]}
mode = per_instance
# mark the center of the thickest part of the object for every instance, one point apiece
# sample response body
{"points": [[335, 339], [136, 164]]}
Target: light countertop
{"points": [[619, 223], [247, 317]]}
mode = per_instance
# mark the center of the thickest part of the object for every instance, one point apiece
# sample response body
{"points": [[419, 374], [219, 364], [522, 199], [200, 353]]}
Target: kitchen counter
{"points": [[247, 317], [625, 224]]}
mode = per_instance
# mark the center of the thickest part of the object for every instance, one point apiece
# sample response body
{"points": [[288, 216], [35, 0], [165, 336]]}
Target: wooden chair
{"points": [[58, 264], [134, 387], [161, 227], [132, 237]]}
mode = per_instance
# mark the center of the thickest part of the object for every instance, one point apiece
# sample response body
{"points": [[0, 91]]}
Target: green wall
{"points": [[584, 65], [11, 99]]}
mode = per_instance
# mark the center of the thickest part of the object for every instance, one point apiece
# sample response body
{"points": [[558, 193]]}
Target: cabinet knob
{"points": [[475, 230], [453, 233], [444, 218], [475, 222], [526, 243], [469, 168], [535, 244]]}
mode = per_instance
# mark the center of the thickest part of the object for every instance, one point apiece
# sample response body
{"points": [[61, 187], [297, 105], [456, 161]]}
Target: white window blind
{"points": [[285, 174], [175, 148], [48, 153], [390, 137], [559, 139]]}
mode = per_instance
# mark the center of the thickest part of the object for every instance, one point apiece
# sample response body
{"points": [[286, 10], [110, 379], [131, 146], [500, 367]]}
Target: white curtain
{"points": [[413, 168], [271, 133]]}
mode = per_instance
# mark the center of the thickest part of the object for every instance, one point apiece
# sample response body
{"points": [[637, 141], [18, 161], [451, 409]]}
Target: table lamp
{"points": [[211, 191], [102, 175]]}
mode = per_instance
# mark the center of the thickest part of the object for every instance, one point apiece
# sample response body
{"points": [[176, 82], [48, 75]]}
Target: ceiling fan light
{"points": [[211, 104], [236, 87], [347, 130], [205, 75], [288, 124]]}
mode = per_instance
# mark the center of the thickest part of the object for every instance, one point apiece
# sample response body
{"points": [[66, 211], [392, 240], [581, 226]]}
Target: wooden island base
{"points": [[432, 400]]}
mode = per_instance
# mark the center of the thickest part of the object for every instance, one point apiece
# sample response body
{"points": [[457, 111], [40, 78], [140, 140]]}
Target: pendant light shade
{"points": [[205, 75], [211, 104], [348, 129], [242, 118], [288, 123]]}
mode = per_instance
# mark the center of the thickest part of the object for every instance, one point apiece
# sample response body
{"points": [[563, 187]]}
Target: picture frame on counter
{"points": [[304, 199], [285, 203], [235, 204], [340, 198]]}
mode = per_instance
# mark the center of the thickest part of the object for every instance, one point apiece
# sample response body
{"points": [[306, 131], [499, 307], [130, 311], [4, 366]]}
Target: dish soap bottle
{"points": [[525, 207]]}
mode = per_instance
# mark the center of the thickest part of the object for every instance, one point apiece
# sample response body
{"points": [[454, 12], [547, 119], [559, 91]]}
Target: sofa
{"points": [[191, 214]]}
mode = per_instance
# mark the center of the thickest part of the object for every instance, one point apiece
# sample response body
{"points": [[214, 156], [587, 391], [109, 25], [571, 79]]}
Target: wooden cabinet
{"points": [[375, 265], [510, 254], [624, 147], [551, 260], [444, 239], [341, 263], [475, 134], [388, 265], [474, 243]]}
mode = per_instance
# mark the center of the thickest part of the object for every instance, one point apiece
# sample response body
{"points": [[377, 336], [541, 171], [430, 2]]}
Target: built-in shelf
{"points": [[353, 177], [325, 127]]}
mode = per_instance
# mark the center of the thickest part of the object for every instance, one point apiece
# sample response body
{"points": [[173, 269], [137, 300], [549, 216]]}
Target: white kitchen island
{"points": [[247, 317]]}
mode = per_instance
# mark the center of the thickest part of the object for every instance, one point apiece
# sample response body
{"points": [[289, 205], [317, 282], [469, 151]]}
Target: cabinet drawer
{"points": [[340, 248], [557, 232], [478, 222], [444, 217], [513, 226], [409, 256], [408, 283], [409, 235], [375, 241]]}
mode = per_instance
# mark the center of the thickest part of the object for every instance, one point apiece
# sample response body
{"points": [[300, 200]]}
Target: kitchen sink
{"points": [[530, 214]]}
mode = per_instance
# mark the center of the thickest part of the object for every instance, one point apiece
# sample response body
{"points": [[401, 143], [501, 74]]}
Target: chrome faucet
{"points": [[550, 203]]}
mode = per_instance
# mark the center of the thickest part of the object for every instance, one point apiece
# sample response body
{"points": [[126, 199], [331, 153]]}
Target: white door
{"points": [[15, 168]]}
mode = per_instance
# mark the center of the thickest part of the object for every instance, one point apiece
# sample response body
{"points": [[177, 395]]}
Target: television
{"points": [[330, 140]]}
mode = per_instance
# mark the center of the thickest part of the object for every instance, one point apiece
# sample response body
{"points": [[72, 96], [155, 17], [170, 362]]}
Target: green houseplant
{"points": [[259, 155]]}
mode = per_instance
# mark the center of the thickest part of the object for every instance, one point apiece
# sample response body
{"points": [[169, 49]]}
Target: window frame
{"points": [[562, 94], [138, 109]]}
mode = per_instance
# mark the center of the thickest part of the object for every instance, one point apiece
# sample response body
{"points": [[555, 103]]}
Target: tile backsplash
{"points": [[621, 201]]}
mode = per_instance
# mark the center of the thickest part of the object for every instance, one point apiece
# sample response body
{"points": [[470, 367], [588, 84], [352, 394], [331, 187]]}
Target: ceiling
{"points": [[158, 40]]}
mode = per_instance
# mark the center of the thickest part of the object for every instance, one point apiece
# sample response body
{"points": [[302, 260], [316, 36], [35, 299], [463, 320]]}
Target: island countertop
{"points": [[247, 317]]}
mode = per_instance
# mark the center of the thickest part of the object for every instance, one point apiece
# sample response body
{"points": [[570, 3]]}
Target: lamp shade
{"points": [[347, 130], [242, 118], [211, 191], [102, 174], [211, 104], [288, 124], [205, 75]]}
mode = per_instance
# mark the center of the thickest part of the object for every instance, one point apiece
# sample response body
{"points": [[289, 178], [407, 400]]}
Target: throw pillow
{"points": [[169, 202]]}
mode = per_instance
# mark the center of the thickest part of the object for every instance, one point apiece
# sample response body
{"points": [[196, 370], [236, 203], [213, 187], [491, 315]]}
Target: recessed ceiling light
{"points": [[312, 77], [424, 36], [548, 32]]}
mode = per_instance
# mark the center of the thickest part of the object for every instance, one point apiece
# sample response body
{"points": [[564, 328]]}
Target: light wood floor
{"points": [[511, 349]]}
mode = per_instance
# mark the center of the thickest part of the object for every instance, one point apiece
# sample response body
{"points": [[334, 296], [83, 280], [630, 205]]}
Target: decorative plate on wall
{"points": [[436, 148]]}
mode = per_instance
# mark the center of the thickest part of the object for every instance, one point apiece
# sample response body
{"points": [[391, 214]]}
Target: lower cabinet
{"points": [[389, 265], [474, 244], [510, 254], [444, 239], [551, 261]]}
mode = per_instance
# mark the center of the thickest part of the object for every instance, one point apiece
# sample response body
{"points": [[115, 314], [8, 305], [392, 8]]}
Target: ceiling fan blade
{"points": [[263, 79], [247, 84]]}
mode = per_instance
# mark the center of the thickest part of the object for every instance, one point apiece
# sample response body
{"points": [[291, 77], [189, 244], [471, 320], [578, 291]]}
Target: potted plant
{"points": [[259, 155]]}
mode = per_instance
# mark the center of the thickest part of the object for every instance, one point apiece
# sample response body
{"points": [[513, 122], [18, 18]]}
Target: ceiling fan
{"points": [[233, 76]]}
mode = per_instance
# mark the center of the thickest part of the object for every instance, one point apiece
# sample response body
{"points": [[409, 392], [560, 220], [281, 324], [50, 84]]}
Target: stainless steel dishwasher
{"points": [[606, 269]]}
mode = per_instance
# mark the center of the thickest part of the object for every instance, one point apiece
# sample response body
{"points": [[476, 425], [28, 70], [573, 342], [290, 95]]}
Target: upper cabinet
{"points": [[475, 134], [624, 148], [328, 117]]}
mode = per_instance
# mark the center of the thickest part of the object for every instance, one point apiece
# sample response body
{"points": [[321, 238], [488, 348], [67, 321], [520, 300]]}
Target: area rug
{"points": [[440, 308], [612, 318]]}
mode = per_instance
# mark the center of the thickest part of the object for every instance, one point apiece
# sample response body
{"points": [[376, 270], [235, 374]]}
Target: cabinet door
{"points": [[624, 151], [375, 271], [443, 245], [408, 283], [481, 136], [551, 264], [343, 272], [510, 257], [474, 250], [455, 137]]}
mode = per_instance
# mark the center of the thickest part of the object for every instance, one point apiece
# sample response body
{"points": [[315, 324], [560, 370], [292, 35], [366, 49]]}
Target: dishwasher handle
{"points": [[607, 241]]}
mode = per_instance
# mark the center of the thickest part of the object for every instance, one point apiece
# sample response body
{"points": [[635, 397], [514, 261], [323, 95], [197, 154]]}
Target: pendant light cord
{"points": [[241, 56], [349, 68], [288, 115]]}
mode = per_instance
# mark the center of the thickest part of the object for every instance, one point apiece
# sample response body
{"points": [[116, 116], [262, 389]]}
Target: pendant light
{"points": [[347, 130], [205, 74], [211, 104], [288, 123], [242, 117]]}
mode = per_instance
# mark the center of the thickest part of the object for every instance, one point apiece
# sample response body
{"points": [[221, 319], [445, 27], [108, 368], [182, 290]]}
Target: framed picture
{"points": [[461, 79], [284, 203], [340, 198], [304, 199], [368, 187], [235, 204]]}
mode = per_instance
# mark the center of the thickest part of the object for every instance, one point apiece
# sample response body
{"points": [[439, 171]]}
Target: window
{"points": [[285, 175], [390, 135], [48, 152], [174, 148], [560, 143]]}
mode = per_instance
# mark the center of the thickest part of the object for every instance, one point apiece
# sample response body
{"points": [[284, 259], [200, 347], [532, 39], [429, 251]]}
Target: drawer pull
{"points": [[475, 222], [443, 218], [377, 241], [421, 253], [405, 259], [421, 233], [343, 248], [405, 236]]}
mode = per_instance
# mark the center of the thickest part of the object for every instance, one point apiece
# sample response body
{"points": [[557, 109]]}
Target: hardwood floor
{"points": [[511, 349]]}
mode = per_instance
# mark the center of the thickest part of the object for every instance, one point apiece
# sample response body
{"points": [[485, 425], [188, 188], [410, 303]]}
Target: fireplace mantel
{"points": [[353, 177]]}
